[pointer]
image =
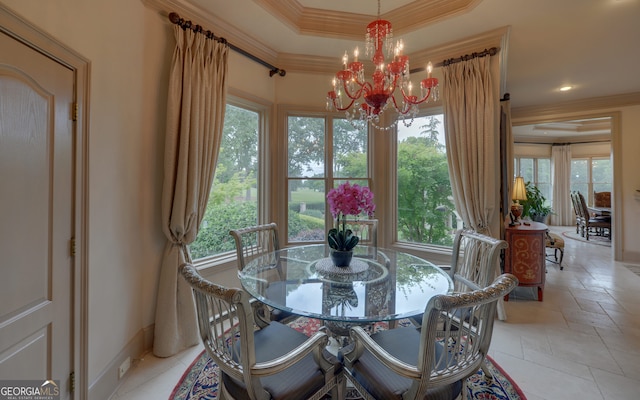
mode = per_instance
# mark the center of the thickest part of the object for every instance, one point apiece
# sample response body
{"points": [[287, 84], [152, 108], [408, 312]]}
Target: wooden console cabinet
{"points": [[525, 256]]}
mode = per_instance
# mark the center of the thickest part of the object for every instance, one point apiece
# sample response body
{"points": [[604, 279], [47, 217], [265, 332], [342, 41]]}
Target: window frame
{"points": [[589, 159], [329, 178], [425, 248], [381, 164], [536, 181], [263, 109]]}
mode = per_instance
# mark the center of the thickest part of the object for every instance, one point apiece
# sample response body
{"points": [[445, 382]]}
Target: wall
{"points": [[130, 49], [626, 152], [126, 45]]}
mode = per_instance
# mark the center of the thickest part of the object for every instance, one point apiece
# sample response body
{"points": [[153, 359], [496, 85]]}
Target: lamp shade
{"points": [[519, 192]]}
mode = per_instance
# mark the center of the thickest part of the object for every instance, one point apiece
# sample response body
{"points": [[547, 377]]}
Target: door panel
{"points": [[36, 210]]}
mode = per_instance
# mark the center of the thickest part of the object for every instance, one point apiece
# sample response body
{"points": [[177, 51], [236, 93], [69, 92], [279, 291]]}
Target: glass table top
{"points": [[380, 284]]}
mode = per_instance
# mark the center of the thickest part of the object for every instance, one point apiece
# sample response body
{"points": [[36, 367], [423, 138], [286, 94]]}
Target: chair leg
{"points": [[486, 371], [561, 257]]}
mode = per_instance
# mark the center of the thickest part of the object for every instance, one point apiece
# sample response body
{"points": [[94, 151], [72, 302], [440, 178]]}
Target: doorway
{"points": [[592, 137]]}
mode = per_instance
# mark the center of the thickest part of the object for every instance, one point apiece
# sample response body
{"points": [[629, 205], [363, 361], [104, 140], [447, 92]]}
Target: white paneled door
{"points": [[36, 215]]}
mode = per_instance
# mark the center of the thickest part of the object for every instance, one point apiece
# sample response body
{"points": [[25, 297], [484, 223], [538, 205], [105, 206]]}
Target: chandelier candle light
{"points": [[371, 99]]}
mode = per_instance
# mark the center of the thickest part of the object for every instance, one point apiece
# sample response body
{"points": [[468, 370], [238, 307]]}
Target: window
{"points": [[591, 174], [538, 172], [234, 196], [425, 209], [322, 152]]}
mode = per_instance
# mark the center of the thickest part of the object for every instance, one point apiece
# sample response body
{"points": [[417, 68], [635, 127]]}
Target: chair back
{"points": [[258, 362], [584, 209], [225, 321], [475, 260], [602, 199], [256, 241], [365, 229], [434, 362], [578, 208], [462, 324]]}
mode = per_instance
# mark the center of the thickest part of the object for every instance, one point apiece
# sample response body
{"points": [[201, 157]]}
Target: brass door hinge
{"points": [[72, 381], [72, 247], [74, 111]]}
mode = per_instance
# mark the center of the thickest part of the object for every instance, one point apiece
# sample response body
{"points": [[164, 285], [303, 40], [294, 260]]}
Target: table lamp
{"points": [[519, 193]]}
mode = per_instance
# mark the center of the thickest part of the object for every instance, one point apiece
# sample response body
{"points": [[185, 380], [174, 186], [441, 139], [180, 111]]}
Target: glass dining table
{"points": [[379, 285]]}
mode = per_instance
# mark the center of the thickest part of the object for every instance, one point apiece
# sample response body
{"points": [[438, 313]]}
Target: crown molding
{"points": [[214, 24], [534, 114], [562, 140], [329, 65], [334, 24]]}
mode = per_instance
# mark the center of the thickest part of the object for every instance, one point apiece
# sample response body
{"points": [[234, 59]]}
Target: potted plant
{"points": [[347, 199], [535, 206]]}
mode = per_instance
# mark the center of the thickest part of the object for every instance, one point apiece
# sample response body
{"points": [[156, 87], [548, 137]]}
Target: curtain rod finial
{"points": [[278, 71]]}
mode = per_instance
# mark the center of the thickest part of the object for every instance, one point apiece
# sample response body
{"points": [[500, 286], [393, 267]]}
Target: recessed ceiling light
{"points": [[566, 88]]}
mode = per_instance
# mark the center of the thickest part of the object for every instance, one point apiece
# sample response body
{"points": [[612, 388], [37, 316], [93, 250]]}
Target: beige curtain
{"points": [[195, 117], [562, 215], [470, 113], [471, 139]]}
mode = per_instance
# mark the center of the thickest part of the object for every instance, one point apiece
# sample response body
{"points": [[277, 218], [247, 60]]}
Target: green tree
{"points": [[237, 157], [424, 188], [348, 142], [305, 145]]}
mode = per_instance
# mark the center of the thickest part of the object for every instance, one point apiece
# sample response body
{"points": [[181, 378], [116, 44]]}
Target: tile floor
{"points": [[581, 342]]}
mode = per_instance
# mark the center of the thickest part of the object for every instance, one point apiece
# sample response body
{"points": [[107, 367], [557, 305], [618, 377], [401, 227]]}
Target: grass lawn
{"points": [[307, 196]]}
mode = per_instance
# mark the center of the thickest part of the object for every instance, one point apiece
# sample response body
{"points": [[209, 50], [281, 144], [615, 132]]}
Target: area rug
{"points": [[593, 239], [200, 381]]}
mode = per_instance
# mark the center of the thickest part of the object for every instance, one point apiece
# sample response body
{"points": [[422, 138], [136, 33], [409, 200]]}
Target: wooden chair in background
{"points": [[599, 225]]}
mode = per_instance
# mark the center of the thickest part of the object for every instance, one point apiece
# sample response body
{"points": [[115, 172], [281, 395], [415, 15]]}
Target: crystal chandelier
{"points": [[364, 100]]}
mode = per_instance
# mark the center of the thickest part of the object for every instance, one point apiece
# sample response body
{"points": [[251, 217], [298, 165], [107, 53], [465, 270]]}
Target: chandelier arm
{"points": [[408, 99], [357, 94], [335, 105], [401, 111]]}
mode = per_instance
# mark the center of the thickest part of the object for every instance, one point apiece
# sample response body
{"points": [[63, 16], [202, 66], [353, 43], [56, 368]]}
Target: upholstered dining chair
{"points": [[272, 362], [255, 241], [367, 232], [474, 264], [601, 225], [365, 229], [433, 362], [602, 199], [474, 261], [577, 209], [261, 241]]}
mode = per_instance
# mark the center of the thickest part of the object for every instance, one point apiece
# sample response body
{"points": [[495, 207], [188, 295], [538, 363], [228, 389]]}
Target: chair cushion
{"points": [[381, 383], [298, 382], [554, 241]]}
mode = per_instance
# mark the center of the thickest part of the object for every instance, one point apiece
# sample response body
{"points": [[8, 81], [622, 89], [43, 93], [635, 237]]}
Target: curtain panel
{"points": [[561, 177], [471, 113], [195, 118]]}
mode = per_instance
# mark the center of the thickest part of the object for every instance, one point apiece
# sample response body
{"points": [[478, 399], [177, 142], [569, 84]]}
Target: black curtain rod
{"points": [[184, 24], [566, 143], [486, 52]]}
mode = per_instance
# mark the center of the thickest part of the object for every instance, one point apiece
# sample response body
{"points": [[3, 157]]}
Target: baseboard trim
{"points": [[631, 256], [107, 383]]}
